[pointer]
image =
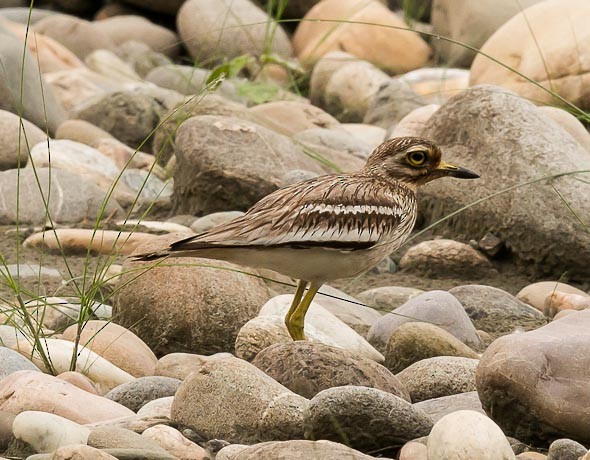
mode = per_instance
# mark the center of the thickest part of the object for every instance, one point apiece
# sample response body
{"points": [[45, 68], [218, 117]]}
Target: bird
{"points": [[329, 227]]}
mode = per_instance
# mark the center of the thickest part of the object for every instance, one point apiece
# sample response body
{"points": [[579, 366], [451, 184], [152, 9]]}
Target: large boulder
{"points": [[510, 142], [370, 31], [214, 30], [469, 23], [226, 163], [527, 44], [540, 379], [187, 305]]}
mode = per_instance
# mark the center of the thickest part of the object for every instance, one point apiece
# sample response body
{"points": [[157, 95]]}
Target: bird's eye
{"points": [[417, 158]]}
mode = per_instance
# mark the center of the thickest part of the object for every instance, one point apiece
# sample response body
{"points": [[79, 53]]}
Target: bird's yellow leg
{"points": [[297, 319], [296, 301]]}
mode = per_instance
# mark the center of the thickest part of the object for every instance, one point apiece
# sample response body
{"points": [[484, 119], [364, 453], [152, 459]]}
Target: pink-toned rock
{"points": [[80, 452], [536, 293], [390, 48], [437, 84], [174, 442], [414, 451], [414, 122], [78, 380], [28, 390], [559, 301], [568, 122], [118, 345]]}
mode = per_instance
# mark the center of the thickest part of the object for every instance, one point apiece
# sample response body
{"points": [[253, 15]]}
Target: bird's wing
{"points": [[345, 212]]}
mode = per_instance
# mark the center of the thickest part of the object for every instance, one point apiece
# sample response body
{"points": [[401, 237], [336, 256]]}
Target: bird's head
{"points": [[412, 160]]}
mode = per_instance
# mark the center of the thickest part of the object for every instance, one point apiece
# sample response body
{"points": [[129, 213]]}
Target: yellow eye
{"points": [[417, 158]]}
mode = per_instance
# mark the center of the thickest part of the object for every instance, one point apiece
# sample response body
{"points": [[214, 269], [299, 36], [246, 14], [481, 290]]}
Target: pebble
{"points": [[468, 434], [119, 438], [439, 376], [394, 100], [12, 361], [30, 390], [46, 432], [179, 365], [307, 368], [559, 301], [161, 407], [368, 418], [13, 151], [535, 294], [205, 223], [413, 451], [134, 395], [566, 449], [291, 450], [79, 380], [388, 298], [175, 443], [437, 408]]}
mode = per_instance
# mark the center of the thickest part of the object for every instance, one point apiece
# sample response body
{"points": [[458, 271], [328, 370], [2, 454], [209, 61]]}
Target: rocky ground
{"points": [[128, 124]]}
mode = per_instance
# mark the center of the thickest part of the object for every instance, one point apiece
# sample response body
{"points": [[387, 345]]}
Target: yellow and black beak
{"points": [[447, 169]]}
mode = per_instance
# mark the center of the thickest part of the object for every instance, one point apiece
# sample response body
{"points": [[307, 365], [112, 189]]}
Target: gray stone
{"points": [[26, 270], [130, 116], [134, 395], [439, 376], [388, 298], [25, 15], [549, 239], [307, 368], [12, 361], [39, 104], [436, 307], [437, 408], [243, 30], [496, 311], [147, 185], [141, 57], [366, 419], [292, 450], [296, 175], [413, 342], [138, 453], [565, 449], [108, 438], [73, 199], [394, 100], [205, 223], [228, 398], [16, 141], [540, 378], [204, 316], [208, 160]]}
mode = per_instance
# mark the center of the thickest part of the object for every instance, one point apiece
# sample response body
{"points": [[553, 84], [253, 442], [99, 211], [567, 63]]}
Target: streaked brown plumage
{"points": [[329, 227]]}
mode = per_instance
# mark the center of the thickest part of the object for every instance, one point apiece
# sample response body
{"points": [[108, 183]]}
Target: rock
{"points": [[6, 436], [291, 117], [436, 85], [31, 271], [345, 88], [80, 241], [121, 29], [369, 419], [23, 14], [559, 301], [535, 294], [468, 434], [77, 35], [161, 407], [74, 452], [30, 390], [78, 86], [414, 123], [413, 451], [388, 298], [36, 102], [116, 344], [339, 146], [446, 258], [14, 150], [530, 33], [46, 432], [469, 23], [202, 317], [393, 101], [169, 7], [120, 438], [71, 199], [563, 314], [80, 380], [371, 135], [146, 186], [109, 65], [134, 395], [12, 361], [531, 456], [437, 408], [436, 307], [324, 327], [226, 398], [244, 30], [54, 313], [206, 223], [565, 449], [130, 116], [307, 368], [179, 365], [439, 376], [569, 123], [541, 248], [496, 311], [73, 156], [175, 443], [206, 144], [539, 378], [141, 57], [413, 342], [10, 336], [292, 450], [382, 44]]}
